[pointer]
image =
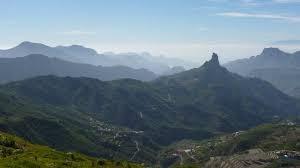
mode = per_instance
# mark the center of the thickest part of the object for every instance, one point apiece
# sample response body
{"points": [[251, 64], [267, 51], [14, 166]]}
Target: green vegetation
{"points": [[17, 153], [266, 137], [133, 120], [80, 114], [264, 141]]}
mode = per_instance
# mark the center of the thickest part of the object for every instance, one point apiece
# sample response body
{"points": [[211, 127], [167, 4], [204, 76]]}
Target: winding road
{"points": [[137, 150]]}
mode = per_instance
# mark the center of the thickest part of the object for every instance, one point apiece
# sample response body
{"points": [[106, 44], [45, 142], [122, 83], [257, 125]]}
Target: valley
{"points": [[133, 120], [150, 84]]}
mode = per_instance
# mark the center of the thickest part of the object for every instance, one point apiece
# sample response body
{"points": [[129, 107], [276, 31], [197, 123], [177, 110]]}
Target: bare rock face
{"points": [[213, 62], [215, 59]]}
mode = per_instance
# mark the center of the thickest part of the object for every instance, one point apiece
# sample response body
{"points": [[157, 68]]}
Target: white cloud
{"points": [[218, 0], [260, 16], [286, 1], [256, 2], [250, 2], [78, 33], [243, 2]]}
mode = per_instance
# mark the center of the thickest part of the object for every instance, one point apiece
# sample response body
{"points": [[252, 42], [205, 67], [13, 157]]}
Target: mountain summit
{"points": [[272, 52], [30, 44], [272, 61], [213, 62], [269, 58], [215, 59], [230, 101]]}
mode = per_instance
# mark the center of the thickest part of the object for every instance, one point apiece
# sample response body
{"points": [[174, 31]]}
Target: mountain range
{"points": [[133, 120], [80, 54], [14, 69], [273, 65]]}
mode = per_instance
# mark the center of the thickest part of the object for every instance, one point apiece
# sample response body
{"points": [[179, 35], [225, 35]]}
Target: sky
{"points": [[187, 29]]}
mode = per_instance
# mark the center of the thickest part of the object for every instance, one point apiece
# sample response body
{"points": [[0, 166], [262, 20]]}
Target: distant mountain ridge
{"points": [[214, 87], [269, 58], [114, 119], [13, 69], [80, 54], [273, 65]]}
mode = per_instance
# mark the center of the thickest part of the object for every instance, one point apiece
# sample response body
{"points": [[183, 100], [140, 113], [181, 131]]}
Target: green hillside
{"points": [[71, 131], [17, 153], [262, 146], [213, 98], [133, 120], [105, 117]]}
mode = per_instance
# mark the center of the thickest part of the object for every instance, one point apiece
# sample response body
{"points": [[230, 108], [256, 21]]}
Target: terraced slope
{"points": [[264, 146]]}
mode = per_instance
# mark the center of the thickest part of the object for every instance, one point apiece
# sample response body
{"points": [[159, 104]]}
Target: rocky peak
{"points": [[272, 52], [213, 62], [215, 59]]}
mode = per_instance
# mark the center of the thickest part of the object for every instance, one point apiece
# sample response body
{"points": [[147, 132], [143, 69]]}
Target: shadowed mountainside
{"points": [[13, 69], [120, 118], [273, 65], [80, 54]]}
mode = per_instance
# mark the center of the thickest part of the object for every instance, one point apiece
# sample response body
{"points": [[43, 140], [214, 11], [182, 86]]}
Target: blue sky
{"points": [[189, 29]]}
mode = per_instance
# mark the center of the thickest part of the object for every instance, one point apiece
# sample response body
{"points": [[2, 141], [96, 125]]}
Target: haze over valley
{"points": [[138, 84]]}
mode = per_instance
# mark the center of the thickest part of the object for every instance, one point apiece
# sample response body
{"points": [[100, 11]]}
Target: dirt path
{"points": [[137, 150]]}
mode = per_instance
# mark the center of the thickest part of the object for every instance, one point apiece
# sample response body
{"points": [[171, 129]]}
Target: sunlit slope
{"points": [[17, 153]]}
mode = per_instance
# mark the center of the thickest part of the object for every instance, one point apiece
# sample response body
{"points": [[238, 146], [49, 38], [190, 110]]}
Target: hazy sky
{"points": [[189, 29]]}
